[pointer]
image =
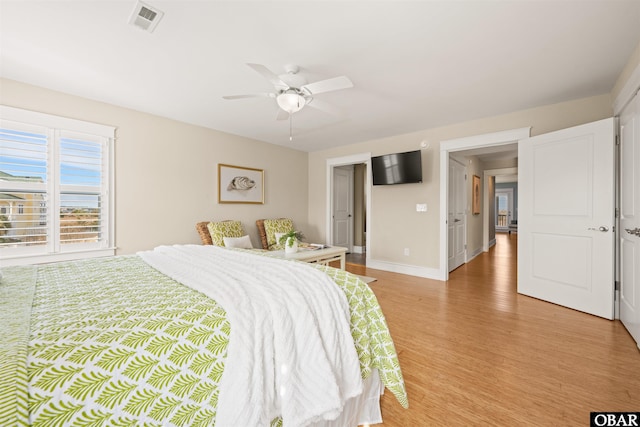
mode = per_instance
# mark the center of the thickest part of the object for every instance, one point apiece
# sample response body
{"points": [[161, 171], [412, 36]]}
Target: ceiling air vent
{"points": [[145, 17]]}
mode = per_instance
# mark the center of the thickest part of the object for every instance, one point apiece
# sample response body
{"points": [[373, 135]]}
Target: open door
{"points": [[343, 206], [457, 215], [566, 217], [630, 218]]}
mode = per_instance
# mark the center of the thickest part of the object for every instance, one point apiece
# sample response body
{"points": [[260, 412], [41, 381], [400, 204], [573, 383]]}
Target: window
{"points": [[55, 179]]}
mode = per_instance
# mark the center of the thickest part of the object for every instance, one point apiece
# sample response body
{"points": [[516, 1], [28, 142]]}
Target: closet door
{"points": [[630, 218]]}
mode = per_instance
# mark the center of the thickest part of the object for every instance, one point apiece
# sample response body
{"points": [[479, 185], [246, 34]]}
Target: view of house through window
{"points": [[53, 188], [23, 182]]}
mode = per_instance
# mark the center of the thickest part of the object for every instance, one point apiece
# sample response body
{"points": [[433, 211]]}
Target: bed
{"points": [[115, 341]]}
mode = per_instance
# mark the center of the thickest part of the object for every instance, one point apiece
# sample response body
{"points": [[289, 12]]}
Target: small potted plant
{"points": [[290, 241]]}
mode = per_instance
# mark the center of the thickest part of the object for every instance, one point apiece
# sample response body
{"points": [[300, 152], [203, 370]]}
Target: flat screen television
{"points": [[397, 168]]}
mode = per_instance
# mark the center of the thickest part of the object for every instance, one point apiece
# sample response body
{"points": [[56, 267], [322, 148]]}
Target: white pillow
{"points": [[243, 242]]}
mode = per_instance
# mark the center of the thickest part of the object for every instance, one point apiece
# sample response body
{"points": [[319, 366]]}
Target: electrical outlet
{"points": [[407, 252], [421, 207]]}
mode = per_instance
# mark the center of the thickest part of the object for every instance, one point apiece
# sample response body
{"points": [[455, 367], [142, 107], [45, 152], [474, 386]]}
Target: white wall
{"points": [[166, 171]]}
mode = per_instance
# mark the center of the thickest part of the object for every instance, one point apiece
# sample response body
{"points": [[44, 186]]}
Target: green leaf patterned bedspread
{"points": [[114, 342]]}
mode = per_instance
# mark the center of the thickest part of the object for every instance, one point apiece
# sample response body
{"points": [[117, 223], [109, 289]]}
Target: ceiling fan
{"points": [[292, 92]]}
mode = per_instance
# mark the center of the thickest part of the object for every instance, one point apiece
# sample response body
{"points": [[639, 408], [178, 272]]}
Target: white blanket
{"points": [[290, 350]]}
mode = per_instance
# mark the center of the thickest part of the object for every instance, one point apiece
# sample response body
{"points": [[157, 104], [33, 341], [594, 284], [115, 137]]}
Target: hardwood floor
{"points": [[474, 352], [353, 258]]}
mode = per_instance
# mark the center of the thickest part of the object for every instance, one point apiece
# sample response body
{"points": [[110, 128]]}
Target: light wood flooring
{"points": [[353, 258], [474, 352]]}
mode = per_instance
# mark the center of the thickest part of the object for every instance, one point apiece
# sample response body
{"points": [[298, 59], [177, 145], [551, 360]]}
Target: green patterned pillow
{"points": [[222, 229], [273, 226]]}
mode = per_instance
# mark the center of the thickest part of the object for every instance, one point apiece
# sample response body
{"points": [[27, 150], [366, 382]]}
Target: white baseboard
{"points": [[359, 249], [492, 243], [473, 254], [411, 270]]}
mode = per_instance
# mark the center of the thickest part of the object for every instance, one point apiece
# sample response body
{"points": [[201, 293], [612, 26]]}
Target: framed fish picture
{"points": [[237, 184]]}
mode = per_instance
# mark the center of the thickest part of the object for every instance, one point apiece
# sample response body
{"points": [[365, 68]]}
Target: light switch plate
{"points": [[421, 207]]}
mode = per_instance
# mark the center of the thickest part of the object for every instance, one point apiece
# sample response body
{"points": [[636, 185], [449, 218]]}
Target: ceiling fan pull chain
{"points": [[290, 127]]}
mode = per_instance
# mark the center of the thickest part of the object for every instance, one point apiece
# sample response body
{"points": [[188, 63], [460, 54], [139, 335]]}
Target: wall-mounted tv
{"points": [[397, 168]]}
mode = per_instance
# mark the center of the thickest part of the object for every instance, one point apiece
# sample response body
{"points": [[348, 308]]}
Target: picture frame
{"points": [[239, 184], [475, 190]]}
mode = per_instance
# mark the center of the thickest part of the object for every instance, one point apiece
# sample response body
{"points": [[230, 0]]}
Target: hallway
{"points": [[496, 268]]}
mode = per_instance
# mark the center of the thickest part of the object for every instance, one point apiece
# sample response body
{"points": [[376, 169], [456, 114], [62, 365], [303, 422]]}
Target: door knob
{"points": [[601, 228], [457, 220], [635, 231]]}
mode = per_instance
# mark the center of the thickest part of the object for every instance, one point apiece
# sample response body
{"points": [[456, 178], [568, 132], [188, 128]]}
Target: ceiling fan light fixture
{"points": [[290, 102]]}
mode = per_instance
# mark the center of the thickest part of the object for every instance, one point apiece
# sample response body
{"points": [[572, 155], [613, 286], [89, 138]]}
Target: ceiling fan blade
{"points": [[324, 106], [269, 75], [251, 95], [282, 115], [328, 85]]}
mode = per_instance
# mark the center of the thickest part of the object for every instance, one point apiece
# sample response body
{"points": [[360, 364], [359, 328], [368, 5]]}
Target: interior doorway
{"points": [[348, 205], [477, 146]]}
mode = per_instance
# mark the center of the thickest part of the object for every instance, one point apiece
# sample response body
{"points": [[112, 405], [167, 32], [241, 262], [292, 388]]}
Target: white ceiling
{"points": [[415, 65], [493, 153]]}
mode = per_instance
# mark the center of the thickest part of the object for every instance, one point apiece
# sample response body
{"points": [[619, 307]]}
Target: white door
{"points": [[343, 206], [457, 218], [566, 217], [630, 218]]}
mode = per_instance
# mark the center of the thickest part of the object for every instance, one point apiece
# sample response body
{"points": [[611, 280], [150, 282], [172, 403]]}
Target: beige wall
{"points": [[395, 224], [166, 171], [632, 64]]}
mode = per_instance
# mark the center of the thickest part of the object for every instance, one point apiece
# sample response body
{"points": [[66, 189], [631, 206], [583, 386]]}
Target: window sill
{"points": [[62, 256]]}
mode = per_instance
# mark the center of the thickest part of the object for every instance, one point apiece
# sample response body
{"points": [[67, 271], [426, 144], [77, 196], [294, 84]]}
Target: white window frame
{"points": [[54, 251]]}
